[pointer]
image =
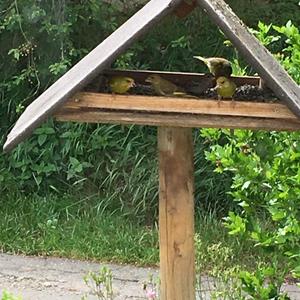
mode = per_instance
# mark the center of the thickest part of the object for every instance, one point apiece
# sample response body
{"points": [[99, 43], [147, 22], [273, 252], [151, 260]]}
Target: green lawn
{"points": [[64, 226]]}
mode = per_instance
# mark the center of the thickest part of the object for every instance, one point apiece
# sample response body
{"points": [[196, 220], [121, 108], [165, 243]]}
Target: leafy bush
{"points": [[265, 180]]}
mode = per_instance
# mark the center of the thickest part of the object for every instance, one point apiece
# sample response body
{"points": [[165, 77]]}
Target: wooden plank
{"points": [[176, 213], [254, 52], [179, 105], [88, 68], [178, 119]]}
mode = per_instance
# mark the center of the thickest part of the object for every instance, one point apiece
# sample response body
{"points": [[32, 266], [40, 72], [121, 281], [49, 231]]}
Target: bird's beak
{"points": [[197, 57], [133, 84], [148, 80]]}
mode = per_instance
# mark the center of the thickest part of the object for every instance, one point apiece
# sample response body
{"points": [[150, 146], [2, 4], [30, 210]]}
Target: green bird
{"points": [[163, 87], [120, 84], [218, 66], [225, 88]]}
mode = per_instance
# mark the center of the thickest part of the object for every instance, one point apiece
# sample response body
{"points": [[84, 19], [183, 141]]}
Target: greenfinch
{"points": [[225, 87], [163, 87], [120, 84], [218, 66]]}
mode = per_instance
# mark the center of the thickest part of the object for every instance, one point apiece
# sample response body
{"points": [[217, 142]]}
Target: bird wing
{"points": [[168, 87]]}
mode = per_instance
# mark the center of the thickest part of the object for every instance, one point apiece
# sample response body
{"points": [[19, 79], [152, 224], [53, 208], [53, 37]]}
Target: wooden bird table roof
{"points": [[53, 99]]}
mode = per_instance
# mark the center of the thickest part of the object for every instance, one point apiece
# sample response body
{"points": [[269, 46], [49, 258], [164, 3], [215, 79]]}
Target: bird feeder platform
{"points": [[95, 107]]}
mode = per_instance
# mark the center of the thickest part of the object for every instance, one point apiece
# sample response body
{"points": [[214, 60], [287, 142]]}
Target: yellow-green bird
{"points": [[163, 87], [218, 66], [225, 88], [120, 84]]}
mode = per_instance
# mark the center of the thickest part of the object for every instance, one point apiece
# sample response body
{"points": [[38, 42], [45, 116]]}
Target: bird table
{"points": [[175, 118]]}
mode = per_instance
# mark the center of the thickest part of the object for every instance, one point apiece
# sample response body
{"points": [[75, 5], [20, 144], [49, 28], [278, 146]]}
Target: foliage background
{"points": [[40, 40]]}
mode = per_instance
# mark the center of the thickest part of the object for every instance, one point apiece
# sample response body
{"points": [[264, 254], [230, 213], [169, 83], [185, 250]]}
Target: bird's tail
{"points": [[201, 58], [183, 95]]}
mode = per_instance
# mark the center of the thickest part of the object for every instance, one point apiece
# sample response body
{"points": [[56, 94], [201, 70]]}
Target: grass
{"points": [[61, 226]]}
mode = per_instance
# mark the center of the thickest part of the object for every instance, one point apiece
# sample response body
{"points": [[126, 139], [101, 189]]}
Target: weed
{"points": [[8, 296], [100, 284], [152, 287]]}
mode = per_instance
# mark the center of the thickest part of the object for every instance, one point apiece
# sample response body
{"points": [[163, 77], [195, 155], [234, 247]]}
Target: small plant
{"points": [[151, 287], [8, 296], [219, 280], [100, 284]]}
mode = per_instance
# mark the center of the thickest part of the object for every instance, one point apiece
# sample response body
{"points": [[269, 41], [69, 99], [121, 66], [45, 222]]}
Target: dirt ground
{"points": [[37, 278]]}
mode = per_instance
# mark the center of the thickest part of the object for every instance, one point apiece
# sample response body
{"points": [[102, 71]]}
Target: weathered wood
{"points": [[254, 52], [176, 213], [141, 103], [178, 119], [185, 8], [88, 68]]}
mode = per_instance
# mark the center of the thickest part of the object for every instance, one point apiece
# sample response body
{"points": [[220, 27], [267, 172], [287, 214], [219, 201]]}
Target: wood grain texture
{"points": [[178, 119], [176, 213], [87, 68], [254, 52], [179, 105]]}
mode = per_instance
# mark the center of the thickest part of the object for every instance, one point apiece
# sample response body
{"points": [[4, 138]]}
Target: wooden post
{"points": [[176, 213]]}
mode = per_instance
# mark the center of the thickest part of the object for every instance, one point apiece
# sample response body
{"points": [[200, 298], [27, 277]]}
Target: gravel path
{"points": [[39, 278]]}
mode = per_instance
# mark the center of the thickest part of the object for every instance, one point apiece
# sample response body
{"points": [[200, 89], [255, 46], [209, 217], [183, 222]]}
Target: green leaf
{"points": [[41, 139], [246, 185]]}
